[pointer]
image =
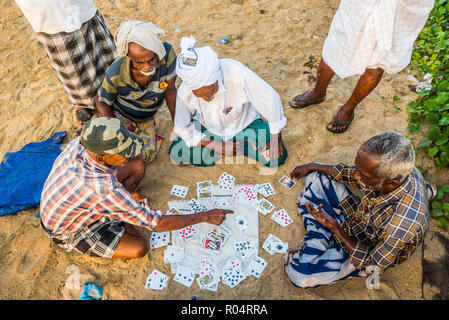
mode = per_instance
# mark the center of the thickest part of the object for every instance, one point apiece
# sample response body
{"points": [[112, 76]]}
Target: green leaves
{"points": [[440, 209]]}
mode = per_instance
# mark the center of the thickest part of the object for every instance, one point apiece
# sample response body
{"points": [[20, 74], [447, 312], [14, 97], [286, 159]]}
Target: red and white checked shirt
{"points": [[79, 191]]}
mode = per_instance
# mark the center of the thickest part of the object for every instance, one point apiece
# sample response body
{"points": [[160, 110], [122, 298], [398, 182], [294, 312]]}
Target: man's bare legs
{"points": [[366, 84], [131, 245], [323, 78]]}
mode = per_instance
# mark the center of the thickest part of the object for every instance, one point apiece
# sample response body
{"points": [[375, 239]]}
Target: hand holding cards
{"points": [[287, 182]]}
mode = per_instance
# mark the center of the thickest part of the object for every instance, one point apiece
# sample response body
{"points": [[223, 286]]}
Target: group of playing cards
{"points": [[156, 280], [246, 248], [275, 245], [214, 240]]}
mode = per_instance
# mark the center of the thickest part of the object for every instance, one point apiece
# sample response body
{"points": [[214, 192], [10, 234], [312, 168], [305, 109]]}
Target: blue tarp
{"points": [[23, 174]]}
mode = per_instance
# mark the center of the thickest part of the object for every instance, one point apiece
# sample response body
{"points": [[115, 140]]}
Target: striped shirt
{"points": [[79, 191], [122, 93], [388, 228]]}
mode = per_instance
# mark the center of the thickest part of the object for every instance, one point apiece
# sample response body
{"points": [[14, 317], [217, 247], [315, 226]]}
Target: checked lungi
{"points": [[99, 239], [319, 260], [81, 58]]}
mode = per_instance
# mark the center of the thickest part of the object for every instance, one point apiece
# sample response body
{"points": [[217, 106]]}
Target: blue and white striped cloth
{"points": [[319, 260]]}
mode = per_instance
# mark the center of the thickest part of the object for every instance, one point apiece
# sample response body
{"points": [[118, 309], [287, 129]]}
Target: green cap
{"points": [[109, 136]]}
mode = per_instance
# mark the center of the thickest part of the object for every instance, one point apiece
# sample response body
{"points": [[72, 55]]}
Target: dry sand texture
{"points": [[281, 41]]}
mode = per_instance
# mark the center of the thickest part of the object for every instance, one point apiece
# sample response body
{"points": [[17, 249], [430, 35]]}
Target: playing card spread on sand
{"points": [[274, 245], [256, 266], [265, 206], [156, 280], [246, 248], [173, 254], [245, 195], [204, 185], [179, 191], [287, 182], [208, 280], [184, 275], [266, 189], [281, 217], [226, 181], [232, 273], [204, 194], [159, 239]]}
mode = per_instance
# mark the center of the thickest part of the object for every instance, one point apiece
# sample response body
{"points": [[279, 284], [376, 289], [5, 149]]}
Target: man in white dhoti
{"points": [[225, 100], [366, 38]]}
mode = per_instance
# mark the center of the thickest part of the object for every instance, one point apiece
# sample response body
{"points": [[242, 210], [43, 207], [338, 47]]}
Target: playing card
{"points": [[207, 280], [266, 189], [196, 206], [187, 233], [184, 275], [159, 239], [156, 280], [245, 194], [233, 273], [245, 248], [207, 266], [270, 243], [172, 211], [265, 206], [204, 185], [241, 222], [223, 204], [179, 191], [173, 254], [281, 217], [266, 154], [287, 182], [226, 181], [256, 266], [201, 194]]}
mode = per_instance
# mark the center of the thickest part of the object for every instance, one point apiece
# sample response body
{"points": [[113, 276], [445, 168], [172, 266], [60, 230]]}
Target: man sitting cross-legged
{"points": [[345, 235], [89, 204], [227, 100]]}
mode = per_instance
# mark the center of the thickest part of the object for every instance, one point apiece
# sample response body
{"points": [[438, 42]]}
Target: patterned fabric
{"points": [[81, 58], [374, 34], [320, 260], [79, 191], [99, 239], [110, 136], [134, 102], [257, 133], [388, 228]]}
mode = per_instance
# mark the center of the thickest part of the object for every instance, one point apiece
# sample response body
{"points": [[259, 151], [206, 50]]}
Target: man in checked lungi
{"points": [[78, 43], [89, 204], [347, 236], [137, 84], [366, 38]]}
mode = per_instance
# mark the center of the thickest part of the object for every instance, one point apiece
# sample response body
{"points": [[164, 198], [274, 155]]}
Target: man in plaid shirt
{"points": [[89, 204], [347, 234]]}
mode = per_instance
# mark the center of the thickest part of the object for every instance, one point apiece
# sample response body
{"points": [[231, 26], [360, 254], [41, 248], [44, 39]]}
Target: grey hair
{"points": [[394, 152]]}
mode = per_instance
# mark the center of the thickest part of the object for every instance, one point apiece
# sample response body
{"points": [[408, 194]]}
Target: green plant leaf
{"points": [[436, 213], [442, 223], [431, 152], [424, 143], [434, 133]]}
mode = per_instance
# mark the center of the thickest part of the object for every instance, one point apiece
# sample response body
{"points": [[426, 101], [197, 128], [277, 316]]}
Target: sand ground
{"points": [[280, 41]]}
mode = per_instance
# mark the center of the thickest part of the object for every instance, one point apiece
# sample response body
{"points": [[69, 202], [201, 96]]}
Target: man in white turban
{"points": [[225, 100], [137, 83], [366, 38]]}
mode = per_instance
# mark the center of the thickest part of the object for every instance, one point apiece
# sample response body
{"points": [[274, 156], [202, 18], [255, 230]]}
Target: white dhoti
{"points": [[372, 34]]}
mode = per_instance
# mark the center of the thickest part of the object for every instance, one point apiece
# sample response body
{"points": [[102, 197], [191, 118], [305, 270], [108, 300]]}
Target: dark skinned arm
{"points": [[170, 97], [175, 222], [304, 170], [103, 109]]}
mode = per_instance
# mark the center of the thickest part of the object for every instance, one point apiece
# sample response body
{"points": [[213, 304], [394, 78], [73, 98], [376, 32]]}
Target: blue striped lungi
{"points": [[319, 260]]}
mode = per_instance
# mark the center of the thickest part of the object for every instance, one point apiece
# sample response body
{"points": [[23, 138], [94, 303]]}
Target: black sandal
{"points": [[338, 123], [300, 98], [84, 115]]}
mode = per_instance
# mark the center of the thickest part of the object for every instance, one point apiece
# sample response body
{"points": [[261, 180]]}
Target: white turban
{"points": [[206, 70], [144, 34]]}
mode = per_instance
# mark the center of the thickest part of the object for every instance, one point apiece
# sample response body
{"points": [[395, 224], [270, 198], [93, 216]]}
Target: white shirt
{"points": [[241, 98], [374, 34], [53, 16]]}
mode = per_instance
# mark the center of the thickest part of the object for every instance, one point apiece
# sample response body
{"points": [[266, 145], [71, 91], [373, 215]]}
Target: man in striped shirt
{"points": [[89, 204], [346, 234], [136, 85]]}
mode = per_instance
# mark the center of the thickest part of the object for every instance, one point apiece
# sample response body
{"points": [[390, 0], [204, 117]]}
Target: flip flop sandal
{"points": [[300, 99], [338, 123], [83, 115]]}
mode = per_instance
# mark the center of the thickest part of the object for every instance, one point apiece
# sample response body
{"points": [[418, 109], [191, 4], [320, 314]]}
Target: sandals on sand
{"points": [[300, 98], [337, 123], [83, 115]]}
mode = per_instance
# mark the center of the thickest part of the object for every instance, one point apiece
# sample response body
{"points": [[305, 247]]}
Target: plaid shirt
{"points": [[388, 228], [79, 191]]}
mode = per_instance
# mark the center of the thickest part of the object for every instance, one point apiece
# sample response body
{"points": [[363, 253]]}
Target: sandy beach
{"points": [[282, 43]]}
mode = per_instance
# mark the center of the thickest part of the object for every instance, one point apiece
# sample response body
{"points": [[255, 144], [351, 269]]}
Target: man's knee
{"points": [[138, 167], [141, 250]]}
